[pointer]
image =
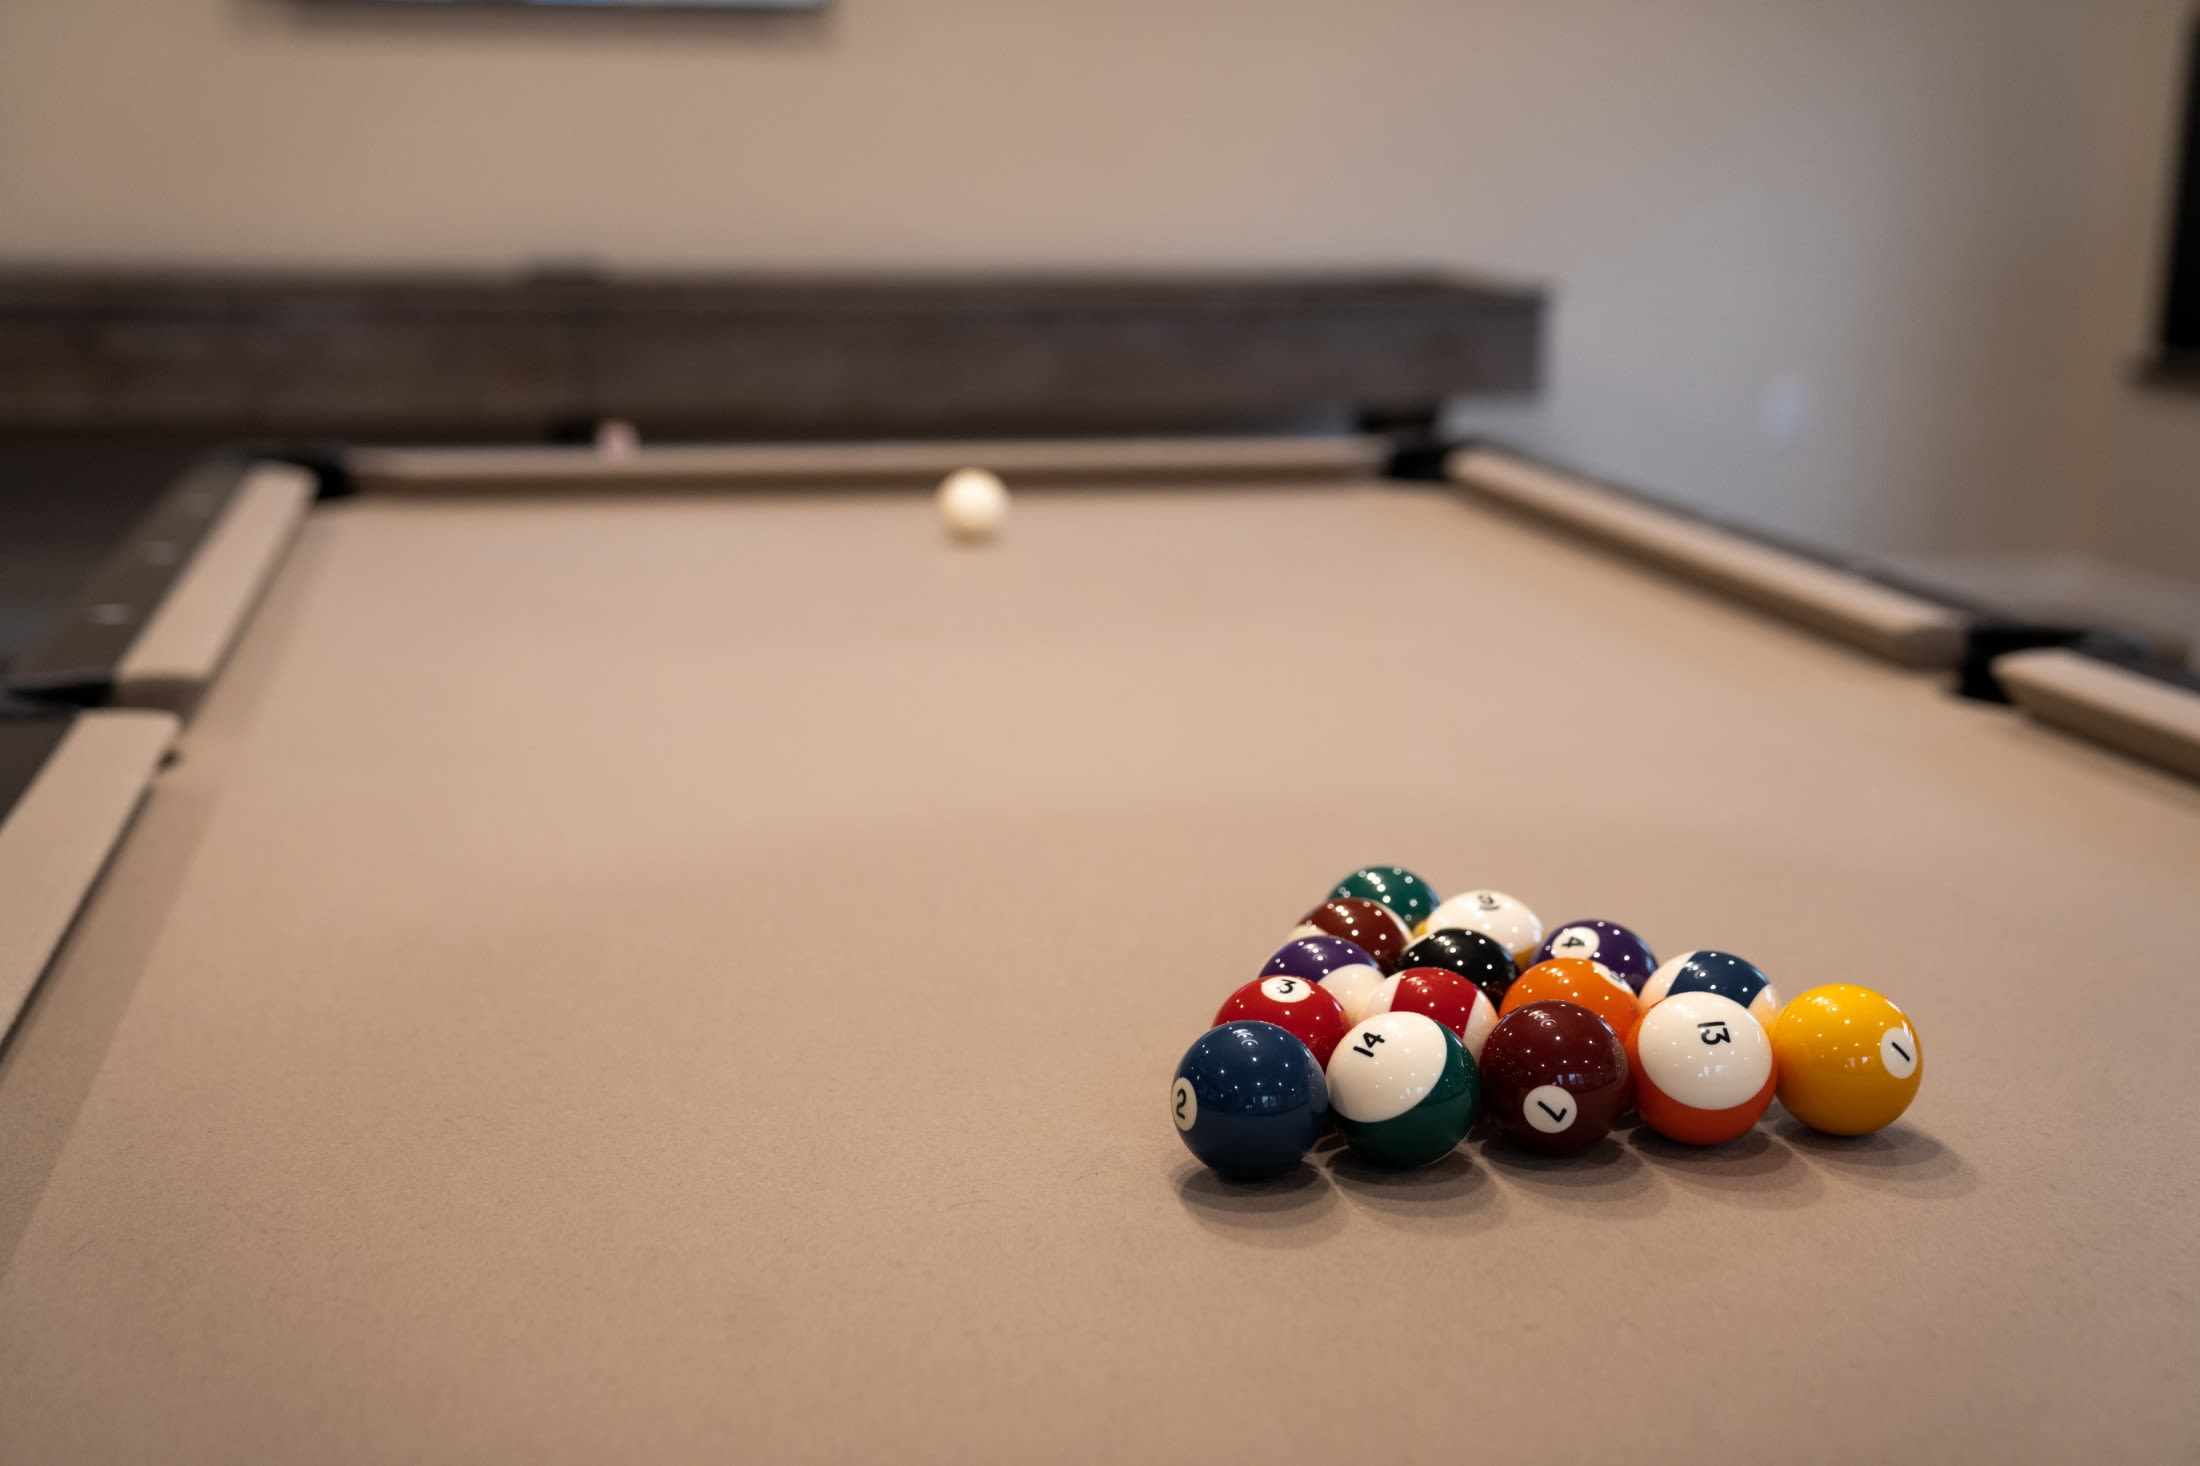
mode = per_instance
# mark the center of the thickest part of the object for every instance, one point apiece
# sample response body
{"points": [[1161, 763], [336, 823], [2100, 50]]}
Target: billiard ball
{"points": [[1480, 959], [1602, 941], [1583, 983], [1403, 1089], [1493, 914], [1709, 971], [974, 502], [1554, 1077], [1443, 995], [1849, 1060], [1342, 967], [1367, 925], [1408, 896], [616, 438], [1315, 957], [1309, 1011], [1248, 1100], [1703, 1068]]}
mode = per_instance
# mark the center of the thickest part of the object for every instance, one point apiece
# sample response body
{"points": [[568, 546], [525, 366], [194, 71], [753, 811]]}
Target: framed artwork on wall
{"points": [[605, 4]]}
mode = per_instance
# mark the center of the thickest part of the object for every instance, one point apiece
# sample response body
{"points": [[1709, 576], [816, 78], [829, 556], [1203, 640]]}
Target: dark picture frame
{"points": [[602, 5]]}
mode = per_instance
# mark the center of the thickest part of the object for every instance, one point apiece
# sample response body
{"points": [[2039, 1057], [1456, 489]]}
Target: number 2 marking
{"points": [[1184, 1104]]}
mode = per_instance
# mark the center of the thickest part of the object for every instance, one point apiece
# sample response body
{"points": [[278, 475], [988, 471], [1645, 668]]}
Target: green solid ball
{"points": [[1408, 897], [1403, 1090]]}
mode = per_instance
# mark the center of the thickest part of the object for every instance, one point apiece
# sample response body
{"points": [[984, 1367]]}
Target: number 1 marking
{"points": [[1898, 1052]]}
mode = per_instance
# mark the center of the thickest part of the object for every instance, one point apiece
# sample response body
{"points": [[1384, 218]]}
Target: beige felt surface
{"points": [[688, 979]]}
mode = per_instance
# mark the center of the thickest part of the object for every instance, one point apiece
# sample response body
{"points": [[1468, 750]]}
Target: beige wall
{"points": [[1857, 269], [2131, 481]]}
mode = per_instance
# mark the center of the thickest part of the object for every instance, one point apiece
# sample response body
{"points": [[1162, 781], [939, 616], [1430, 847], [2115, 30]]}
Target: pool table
{"points": [[536, 955]]}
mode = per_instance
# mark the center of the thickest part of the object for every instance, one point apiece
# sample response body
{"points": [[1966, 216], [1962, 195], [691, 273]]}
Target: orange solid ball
{"points": [[1581, 982]]}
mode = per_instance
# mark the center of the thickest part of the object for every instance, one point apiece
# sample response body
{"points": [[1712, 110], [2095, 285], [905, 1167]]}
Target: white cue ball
{"points": [[973, 502], [617, 439]]}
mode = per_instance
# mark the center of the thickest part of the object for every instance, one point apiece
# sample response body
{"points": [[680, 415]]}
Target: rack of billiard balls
{"points": [[1403, 1017]]}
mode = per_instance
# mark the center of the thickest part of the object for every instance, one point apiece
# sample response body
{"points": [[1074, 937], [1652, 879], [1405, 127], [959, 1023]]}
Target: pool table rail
{"points": [[154, 623], [152, 628], [70, 782], [2081, 680], [882, 464]]}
